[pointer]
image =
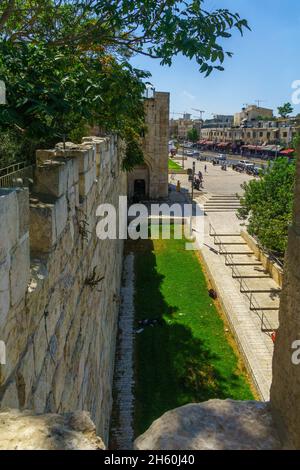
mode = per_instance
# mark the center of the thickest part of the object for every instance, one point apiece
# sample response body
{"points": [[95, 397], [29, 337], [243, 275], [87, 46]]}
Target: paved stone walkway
{"points": [[122, 432], [256, 346]]}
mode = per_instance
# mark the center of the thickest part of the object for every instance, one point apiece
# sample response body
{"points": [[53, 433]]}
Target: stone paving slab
{"points": [[268, 301], [238, 249], [244, 260], [231, 240], [251, 271], [260, 285]]}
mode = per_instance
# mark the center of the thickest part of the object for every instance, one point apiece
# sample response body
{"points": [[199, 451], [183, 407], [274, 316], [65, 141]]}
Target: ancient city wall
{"points": [[59, 284]]}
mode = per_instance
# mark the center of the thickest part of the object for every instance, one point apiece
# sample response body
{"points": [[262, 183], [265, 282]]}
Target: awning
{"points": [[209, 142], [272, 148], [224, 144], [201, 142], [287, 152], [253, 147]]}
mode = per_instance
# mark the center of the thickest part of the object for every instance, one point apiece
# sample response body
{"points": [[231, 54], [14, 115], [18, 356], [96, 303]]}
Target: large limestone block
{"points": [[4, 289], [19, 270], [51, 178], [29, 431], [61, 215], [213, 425], [86, 181], [42, 227], [43, 155], [9, 221], [23, 209]]}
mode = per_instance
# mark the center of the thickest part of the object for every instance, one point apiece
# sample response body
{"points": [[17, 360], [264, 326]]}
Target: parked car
{"points": [[222, 157], [189, 153]]}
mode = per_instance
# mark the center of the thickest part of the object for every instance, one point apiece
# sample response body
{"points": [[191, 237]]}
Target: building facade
{"points": [[251, 113], [150, 180], [262, 132]]}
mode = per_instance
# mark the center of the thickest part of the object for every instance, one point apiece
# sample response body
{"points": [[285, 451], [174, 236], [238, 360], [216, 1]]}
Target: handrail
{"points": [[254, 304], [9, 174]]}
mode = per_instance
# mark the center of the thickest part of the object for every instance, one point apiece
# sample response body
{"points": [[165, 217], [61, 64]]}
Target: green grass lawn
{"points": [[174, 166], [188, 357]]}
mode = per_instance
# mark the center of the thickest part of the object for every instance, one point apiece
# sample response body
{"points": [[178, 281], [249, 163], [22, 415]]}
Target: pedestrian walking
{"points": [[205, 168]]}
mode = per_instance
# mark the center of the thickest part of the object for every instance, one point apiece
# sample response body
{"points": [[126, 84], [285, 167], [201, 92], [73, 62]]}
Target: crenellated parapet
{"points": [[59, 328]]}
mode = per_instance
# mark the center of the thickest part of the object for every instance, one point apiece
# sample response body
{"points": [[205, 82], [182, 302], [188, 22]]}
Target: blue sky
{"points": [[265, 63]]}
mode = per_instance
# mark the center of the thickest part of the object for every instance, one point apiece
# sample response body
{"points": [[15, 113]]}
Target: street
{"points": [[215, 180]]}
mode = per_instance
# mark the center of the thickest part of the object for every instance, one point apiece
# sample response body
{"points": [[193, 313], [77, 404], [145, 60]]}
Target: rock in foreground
{"points": [[29, 431], [213, 425]]}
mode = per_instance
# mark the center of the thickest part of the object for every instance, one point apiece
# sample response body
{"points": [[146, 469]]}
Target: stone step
{"points": [[238, 249], [271, 318], [265, 302], [219, 210], [233, 240], [250, 271], [220, 206], [260, 285], [242, 260], [216, 199]]}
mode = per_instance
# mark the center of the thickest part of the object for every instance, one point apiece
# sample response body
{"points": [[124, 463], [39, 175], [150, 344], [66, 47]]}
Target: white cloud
{"points": [[188, 95]]}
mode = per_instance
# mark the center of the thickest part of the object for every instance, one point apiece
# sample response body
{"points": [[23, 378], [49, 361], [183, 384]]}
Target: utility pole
{"points": [[201, 112], [259, 101], [193, 176]]}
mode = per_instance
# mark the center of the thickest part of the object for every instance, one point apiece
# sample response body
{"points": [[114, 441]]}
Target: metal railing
{"points": [[11, 175], [244, 288]]}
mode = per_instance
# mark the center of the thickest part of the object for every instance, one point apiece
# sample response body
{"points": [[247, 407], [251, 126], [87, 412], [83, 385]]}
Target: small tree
{"points": [[193, 135], [267, 203], [285, 110]]}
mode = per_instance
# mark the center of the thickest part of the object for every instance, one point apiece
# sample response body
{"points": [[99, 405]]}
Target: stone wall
{"points": [[58, 325], [285, 387]]}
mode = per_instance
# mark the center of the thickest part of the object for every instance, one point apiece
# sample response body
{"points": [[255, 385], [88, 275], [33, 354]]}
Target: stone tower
{"points": [[150, 180]]}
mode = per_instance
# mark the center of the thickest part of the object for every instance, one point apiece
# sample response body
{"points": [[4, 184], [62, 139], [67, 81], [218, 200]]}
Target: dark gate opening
{"points": [[139, 189]]}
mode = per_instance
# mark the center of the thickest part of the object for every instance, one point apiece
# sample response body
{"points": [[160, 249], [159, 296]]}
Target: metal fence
{"points": [[266, 327], [16, 175]]}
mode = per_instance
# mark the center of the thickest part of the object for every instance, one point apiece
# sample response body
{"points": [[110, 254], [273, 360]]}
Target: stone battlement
{"points": [[52, 316]]}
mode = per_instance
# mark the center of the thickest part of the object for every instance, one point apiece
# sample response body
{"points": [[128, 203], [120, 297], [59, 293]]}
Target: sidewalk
{"points": [[255, 346]]}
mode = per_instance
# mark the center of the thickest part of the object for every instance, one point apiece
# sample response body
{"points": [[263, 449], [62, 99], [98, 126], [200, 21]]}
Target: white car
{"points": [[189, 153], [221, 156]]}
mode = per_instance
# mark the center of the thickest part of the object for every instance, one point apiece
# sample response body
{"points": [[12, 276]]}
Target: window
{"points": [[261, 134], [285, 134]]}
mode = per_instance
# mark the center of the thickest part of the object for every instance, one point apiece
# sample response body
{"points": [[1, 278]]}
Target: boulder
{"points": [[29, 431], [213, 425]]}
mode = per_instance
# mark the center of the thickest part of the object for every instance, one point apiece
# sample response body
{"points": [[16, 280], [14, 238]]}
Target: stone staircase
{"points": [[222, 203], [255, 282]]}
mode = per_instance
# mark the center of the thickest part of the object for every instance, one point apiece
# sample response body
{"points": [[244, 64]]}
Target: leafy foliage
{"points": [[268, 202], [157, 28], [285, 110], [193, 135], [66, 63], [53, 94]]}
